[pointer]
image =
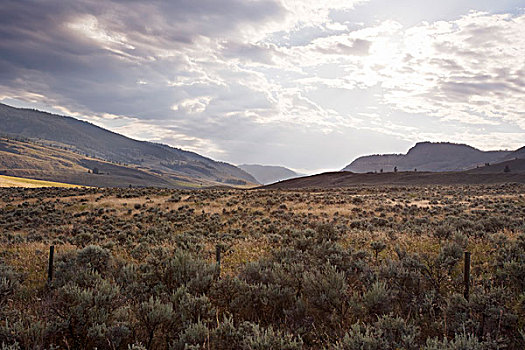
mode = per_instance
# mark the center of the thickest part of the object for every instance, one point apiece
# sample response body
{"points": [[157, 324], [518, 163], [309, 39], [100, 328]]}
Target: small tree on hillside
{"points": [[507, 169]]}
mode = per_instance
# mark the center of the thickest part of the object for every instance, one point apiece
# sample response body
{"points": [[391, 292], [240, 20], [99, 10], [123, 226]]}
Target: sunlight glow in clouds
{"points": [[89, 27], [270, 81]]}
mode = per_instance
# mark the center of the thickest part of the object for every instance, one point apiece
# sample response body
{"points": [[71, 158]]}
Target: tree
{"points": [[395, 169], [507, 169], [95, 170]]}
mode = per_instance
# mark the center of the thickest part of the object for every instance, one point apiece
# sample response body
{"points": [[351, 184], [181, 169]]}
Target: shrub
{"points": [[155, 315], [93, 257], [195, 336], [88, 317], [269, 339], [377, 299], [460, 342], [387, 332], [9, 283]]}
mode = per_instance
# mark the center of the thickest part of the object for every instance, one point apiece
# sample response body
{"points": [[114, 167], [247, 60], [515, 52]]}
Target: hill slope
{"points": [[36, 161], [345, 179], [519, 153], [514, 166], [428, 156], [267, 174], [94, 141]]}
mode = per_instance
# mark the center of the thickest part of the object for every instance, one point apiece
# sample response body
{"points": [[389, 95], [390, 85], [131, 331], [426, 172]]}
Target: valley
{"points": [[262, 175]]}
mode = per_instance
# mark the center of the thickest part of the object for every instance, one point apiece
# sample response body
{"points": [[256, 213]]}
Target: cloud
{"points": [[246, 81], [193, 105], [358, 47], [256, 53], [469, 70]]}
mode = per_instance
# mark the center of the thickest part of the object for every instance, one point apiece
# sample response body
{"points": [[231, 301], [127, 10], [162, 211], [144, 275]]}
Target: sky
{"points": [[308, 84]]}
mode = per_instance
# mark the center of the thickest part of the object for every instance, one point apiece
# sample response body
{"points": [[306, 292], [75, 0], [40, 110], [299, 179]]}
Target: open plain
{"points": [[369, 267]]}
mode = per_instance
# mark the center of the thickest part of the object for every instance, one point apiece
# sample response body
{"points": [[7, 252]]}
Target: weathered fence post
{"points": [[218, 258], [50, 267], [466, 275]]}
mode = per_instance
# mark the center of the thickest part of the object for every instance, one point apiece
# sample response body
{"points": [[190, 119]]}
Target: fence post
{"points": [[50, 268], [218, 258], [466, 275]]}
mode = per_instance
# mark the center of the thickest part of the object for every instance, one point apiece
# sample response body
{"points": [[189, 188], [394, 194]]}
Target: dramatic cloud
{"points": [[469, 70], [308, 84]]}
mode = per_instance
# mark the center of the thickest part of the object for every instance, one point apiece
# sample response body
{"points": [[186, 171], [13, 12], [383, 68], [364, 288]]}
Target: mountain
{"points": [[267, 174], [428, 156], [92, 141]]}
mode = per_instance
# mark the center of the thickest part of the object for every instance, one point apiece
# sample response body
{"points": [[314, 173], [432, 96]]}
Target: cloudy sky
{"points": [[309, 84]]}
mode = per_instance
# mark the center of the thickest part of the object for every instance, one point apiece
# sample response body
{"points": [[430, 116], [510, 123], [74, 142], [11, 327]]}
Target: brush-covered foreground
{"points": [[353, 268]]}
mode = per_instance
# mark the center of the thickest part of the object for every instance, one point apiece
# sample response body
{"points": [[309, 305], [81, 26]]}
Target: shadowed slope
{"points": [[344, 178]]}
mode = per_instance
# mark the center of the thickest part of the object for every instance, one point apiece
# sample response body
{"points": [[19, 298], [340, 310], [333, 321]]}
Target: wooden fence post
{"points": [[466, 276], [50, 268], [218, 258]]}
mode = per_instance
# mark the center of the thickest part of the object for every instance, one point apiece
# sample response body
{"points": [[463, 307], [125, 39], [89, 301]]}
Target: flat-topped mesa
{"points": [[428, 156]]}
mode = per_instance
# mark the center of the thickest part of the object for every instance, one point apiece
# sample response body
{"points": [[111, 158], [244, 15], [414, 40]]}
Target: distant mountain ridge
{"points": [[517, 154], [267, 174], [94, 141], [429, 156]]}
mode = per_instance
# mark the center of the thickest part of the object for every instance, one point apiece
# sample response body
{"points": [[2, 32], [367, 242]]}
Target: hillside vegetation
{"points": [[93, 141], [36, 161]]}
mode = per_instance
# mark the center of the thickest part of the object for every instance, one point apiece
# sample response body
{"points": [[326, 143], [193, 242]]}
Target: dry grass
{"points": [[11, 181], [31, 260], [253, 213]]}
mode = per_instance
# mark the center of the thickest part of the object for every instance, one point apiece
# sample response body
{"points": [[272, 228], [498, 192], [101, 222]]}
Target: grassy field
{"points": [[368, 267], [11, 181]]}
